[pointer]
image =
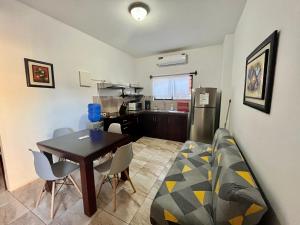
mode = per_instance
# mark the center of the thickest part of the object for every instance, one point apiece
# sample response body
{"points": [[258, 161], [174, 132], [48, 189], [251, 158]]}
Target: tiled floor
{"points": [[152, 160]]}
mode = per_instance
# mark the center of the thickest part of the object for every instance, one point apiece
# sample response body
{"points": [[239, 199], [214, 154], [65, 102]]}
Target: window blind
{"points": [[172, 87]]}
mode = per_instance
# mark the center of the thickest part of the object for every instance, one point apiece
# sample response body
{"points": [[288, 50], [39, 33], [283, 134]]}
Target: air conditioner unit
{"points": [[171, 60]]}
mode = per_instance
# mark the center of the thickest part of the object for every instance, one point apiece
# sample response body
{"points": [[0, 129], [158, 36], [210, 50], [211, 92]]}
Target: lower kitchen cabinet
{"points": [[170, 126], [163, 125], [129, 125]]}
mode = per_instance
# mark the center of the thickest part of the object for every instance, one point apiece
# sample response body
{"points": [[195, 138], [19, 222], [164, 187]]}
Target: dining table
{"points": [[84, 147]]}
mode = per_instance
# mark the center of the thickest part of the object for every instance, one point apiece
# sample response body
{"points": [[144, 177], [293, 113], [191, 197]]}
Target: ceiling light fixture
{"points": [[139, 10]]}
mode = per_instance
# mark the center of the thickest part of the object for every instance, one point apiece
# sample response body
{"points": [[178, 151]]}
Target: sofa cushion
{"points": [[185, 195], [236, 198], [194, 148], [220, 133]]}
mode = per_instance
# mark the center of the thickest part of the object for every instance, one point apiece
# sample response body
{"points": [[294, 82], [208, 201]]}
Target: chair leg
{"points": [[114, 193], [52, 199], [75, 184], [126, 173], [101, 184], [40, 195]]}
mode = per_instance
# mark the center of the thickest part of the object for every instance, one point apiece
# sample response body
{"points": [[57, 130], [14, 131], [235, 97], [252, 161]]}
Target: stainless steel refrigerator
{"points": [[204, 114]]}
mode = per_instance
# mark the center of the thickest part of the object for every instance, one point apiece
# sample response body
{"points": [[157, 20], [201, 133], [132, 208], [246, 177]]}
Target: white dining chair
{"points": [[112, 167], [58, 133], [59, 171], [115, 128]]}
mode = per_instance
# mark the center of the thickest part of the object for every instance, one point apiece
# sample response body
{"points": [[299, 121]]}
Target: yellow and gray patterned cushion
{"points": [[236, 198], [208, 185], [185, 196], [220, 133], [194, 148]]}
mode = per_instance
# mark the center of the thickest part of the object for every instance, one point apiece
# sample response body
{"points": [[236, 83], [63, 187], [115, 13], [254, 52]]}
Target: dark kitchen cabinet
{"points": [[163, 125], [178, 127], [147, 122], [129, 125], [170, 126]]}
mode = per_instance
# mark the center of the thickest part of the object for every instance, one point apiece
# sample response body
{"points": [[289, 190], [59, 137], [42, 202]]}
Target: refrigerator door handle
{"points": [[193, 109]]}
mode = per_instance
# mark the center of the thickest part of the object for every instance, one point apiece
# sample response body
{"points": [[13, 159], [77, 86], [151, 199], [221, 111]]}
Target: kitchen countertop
{"points": [[116, 114]]}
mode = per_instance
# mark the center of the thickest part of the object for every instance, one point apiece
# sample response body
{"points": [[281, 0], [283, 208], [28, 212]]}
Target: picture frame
{"points": [[39, 74], [259, 74]]}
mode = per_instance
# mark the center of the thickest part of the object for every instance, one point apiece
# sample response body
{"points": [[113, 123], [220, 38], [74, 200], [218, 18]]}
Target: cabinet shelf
{"points": [[122, 88]]}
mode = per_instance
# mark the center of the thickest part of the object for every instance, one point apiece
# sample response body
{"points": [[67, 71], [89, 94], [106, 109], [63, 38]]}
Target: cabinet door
{"points": [[161, 126], [148, 125], [177, 128]]}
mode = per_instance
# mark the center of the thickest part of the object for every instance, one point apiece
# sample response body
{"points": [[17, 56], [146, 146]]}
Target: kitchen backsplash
{"points": [[112, 104]]}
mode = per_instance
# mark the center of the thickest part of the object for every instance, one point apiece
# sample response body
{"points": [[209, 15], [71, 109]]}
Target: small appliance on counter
{"points": [[135, 106], [147, 104]]}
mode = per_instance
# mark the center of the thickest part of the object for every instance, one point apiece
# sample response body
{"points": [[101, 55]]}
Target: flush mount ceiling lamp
{"points": [[139, 10]]}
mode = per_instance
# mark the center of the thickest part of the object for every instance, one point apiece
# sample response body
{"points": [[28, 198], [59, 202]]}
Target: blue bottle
{"points": [[94, 112]]}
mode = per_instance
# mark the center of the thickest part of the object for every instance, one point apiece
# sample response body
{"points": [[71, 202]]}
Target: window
{"points": [[172, 87]]}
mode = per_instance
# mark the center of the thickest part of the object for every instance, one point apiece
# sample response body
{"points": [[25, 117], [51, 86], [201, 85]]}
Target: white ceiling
{"points": [[171, 24]]}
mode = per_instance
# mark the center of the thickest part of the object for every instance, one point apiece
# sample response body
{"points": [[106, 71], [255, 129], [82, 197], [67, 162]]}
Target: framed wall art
{"points": [[259, 75], [39, 74]]}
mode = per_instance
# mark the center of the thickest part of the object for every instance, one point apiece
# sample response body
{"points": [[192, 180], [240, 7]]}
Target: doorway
{"points": [[2, 174]]}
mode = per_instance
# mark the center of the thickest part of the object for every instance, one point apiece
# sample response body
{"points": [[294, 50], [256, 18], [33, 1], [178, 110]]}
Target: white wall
{"points": [[271, 142], [226, 75], [207, 61], [29, 115]]}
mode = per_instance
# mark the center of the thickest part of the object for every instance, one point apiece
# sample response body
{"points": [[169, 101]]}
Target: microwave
{"points": [[135, 106]]}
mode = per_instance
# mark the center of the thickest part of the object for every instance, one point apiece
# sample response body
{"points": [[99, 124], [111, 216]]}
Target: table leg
{"points": [[88, 187]]}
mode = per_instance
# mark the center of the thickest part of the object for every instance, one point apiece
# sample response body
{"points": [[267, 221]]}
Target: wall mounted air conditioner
{"points": [[171, 60]]}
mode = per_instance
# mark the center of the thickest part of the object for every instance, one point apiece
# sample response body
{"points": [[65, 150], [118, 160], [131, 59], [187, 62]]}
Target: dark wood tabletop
{"points": [[84, 147]]}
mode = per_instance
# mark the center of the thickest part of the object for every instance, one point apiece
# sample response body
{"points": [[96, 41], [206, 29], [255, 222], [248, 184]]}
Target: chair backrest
{"points": [[62, 131], [115, 128], [42, 166], [121, 159]]}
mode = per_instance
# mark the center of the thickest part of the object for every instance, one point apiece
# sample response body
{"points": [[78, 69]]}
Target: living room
{"points": [[102, 53]]}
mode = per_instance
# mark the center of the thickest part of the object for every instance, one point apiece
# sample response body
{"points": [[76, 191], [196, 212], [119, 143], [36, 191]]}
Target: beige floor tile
{"points": [[64, 200], [142, 181], [153, 168], [28, 194], [163, 174], [106, 194], [10, 208], [142, 217], [154, 189], [27, 219], [127, 205], [135, 166], [75, 215], [104, 218]]}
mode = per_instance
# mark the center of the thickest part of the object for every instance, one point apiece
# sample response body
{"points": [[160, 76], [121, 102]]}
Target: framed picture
{"points": [[39, 74], [259, 75]]}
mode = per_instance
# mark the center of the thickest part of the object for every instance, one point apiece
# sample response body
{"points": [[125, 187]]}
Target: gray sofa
{"points": [[209, 185]]}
